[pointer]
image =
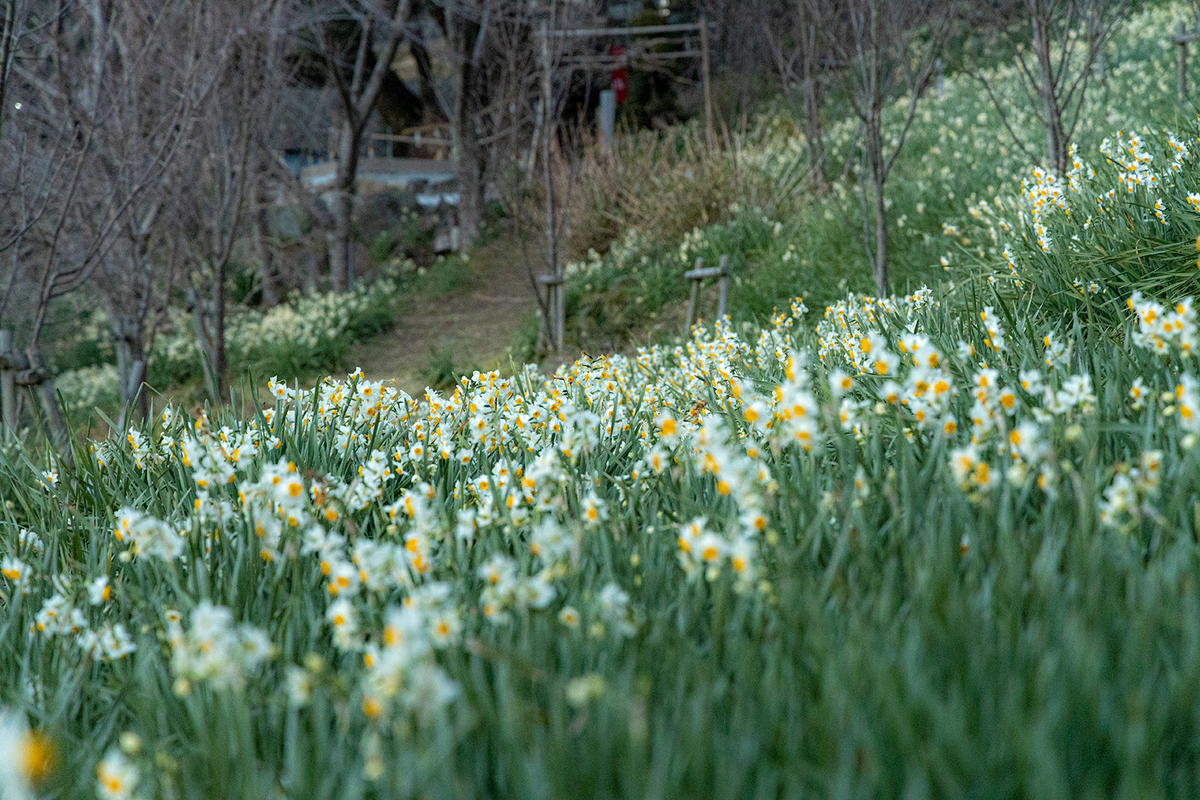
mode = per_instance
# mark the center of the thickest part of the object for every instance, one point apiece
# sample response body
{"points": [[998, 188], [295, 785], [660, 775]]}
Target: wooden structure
{"points": [[698, 275], [10, 364], [1182, 38], [687, 40], [26, 371]]}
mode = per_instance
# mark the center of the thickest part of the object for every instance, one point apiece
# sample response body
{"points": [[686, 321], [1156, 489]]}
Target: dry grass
{"points": [[614, 194]]}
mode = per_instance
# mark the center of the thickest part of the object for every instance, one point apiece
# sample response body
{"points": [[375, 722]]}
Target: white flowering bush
{"points": [[306, 334], [310, 332], [89, 387]]}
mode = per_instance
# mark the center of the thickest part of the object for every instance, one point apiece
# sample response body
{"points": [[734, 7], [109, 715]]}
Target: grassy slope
{"points": [[957, 153]]}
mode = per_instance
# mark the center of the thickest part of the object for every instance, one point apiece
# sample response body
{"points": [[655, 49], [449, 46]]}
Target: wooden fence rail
{"points": [[699, 274]]}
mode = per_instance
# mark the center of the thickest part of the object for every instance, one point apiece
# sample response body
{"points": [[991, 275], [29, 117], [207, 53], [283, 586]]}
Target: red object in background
{"points": [[620, 78]]}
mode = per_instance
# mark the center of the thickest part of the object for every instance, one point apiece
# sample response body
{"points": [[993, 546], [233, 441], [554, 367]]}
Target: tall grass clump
{"points": [[666, 183]]}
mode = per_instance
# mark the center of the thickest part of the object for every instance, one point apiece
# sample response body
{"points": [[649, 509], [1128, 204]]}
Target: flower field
{"points": [[913, 546], [937, 545]]}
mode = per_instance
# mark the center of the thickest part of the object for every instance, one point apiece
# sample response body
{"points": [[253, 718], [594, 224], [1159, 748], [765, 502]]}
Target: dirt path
{"points": [[474, 325]]}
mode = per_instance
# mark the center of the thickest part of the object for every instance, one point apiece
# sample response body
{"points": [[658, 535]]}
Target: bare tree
{"points": [[12, 30], [358, 66], [263, 178], [108, 95], [812, 17], [797, 33], [221, 166], [516, 88], [467, 27], [889, 47], [133, 283], [497, 69], [1066, 39]]}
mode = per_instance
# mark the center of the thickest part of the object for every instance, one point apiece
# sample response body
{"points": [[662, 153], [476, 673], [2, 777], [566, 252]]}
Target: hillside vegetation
{"points": [[668, 200], [934, 545]]}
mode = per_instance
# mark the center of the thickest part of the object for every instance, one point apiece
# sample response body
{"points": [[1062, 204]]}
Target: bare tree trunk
{"points": [[131, 365], [1051, 110], [430, 108], [880, 265], [265, 257], [547, 130], [139, 401], [56, 423], [468, 38], [876, 168], [812, 15], [341, 264], [264, 253], [220, 366], [358, 97], [470, 181], [812, 131], [7, 35], [124, 363]]}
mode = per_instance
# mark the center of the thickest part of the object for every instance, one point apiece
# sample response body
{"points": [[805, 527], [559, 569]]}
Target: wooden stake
{"points": [[692, 297], [8, 388], [723, 288]]}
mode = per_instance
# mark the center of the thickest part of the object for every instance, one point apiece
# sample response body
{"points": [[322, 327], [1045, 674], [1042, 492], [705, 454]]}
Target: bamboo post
{"points": [[8, 388], [706, 77], [607, 117], [553, 291], [1181, 62]]}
